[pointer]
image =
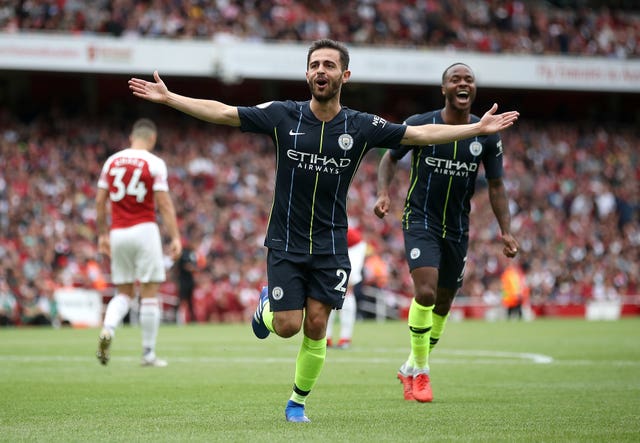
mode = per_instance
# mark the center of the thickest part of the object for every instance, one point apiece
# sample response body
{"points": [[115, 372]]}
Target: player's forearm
{"points": [[101, 222], [170, 222], [208, 110], [434, 134], [386, 173], [500, 206], [168, 214]]}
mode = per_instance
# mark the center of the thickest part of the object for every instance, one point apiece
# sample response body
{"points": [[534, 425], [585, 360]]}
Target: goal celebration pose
{"points": [[319, 145]]}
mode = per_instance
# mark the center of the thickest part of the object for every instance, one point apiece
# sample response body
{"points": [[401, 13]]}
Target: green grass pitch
{"points": [[542, 381]]}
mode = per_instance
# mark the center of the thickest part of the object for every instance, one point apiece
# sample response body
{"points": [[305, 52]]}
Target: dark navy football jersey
{"points": [[443, 179], [315, 164]]}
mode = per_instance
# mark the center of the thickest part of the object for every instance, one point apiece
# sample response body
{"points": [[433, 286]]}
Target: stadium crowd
{"points": [[494, 26], [573, 188]]}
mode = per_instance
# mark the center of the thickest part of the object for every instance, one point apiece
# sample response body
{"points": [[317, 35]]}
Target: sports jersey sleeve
{"points": [[493, 158], [398, 151], [380, 133], [160, 174], [261, 118], [103, 183]]}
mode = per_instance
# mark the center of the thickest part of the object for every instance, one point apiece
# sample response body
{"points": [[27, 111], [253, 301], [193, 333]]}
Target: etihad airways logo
{"points": [[451, 167], [318, 162]]}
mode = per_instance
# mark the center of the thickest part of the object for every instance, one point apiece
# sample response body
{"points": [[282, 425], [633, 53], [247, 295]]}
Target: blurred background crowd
{"points": [[495, 26], [574, 199], [573, 187]]}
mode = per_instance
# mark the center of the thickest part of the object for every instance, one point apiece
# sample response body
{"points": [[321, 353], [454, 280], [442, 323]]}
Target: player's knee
{"points": [[286, 327], [442, 307], [315, 326], [425, 295]]}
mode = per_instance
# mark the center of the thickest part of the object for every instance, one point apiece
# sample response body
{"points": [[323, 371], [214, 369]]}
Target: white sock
{"points": [[117, 309], [348, 317], [150, 323]]}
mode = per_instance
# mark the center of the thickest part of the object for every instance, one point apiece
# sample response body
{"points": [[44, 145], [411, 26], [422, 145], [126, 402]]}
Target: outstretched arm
{"points": [[386, 171], [500, 207], [437, 134], [207, 110]]}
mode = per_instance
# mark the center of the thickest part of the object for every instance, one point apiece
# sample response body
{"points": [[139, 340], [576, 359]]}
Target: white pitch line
{"points": [[535, 358], [350, 356], [345, 357]]}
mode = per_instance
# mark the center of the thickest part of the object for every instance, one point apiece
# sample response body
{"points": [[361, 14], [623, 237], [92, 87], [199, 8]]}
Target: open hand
{"points": [[492, 122], [153, 91]]}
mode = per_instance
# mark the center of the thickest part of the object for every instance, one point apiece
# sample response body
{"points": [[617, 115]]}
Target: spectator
{"points": [[545, 160], [186, 267], [8, 305], [481, 26], [35, 308]]}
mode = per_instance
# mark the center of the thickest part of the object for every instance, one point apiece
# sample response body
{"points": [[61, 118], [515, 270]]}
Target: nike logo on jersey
{"points": [[295, 133]]}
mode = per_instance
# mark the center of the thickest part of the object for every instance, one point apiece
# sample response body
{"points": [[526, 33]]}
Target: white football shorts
{"points": [[136, 254]]}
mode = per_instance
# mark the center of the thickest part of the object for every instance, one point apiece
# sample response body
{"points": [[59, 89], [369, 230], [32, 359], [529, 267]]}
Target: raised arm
{"points": [[207, 110], [386, 171], [437, 134]]}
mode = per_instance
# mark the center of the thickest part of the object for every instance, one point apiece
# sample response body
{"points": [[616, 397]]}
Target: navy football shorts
{"points": [[293, 277], [426, 249]]}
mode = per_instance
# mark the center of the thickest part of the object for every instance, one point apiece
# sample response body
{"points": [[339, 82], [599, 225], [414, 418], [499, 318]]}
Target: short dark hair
{"points": [[331, 44], [444, 74], [144, 128]]}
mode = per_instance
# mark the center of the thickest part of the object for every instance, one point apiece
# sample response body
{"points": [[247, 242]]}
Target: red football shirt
{"points": [[132, 176]]}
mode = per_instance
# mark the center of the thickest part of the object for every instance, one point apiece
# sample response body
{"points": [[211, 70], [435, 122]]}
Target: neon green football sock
{"points": [[420, 323], [439, 322], [411, 361], [267, 316], [309, 364]]}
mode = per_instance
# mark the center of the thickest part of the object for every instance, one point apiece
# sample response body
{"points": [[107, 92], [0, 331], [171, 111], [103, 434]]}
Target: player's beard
{"points": [[457, 104], [328, 94]]}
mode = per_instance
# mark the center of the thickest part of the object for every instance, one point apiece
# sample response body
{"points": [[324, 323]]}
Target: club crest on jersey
{"points": [[345, 141], [475, 148], [277, 293]]}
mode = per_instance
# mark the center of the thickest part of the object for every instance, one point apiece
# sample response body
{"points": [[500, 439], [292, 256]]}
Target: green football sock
{"points": [[439, 322], [411, 361], [309, 364], [420, 323], [267, 316]]}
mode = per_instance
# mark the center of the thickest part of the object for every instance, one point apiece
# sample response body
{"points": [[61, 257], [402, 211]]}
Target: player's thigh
{"points": [[137, 254], [453, 263], [149, 264], [328, 279], [123, 253], [286, 280], [422, 249]]}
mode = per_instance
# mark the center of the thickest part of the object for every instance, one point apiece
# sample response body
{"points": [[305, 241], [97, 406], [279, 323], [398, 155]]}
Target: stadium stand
{"points": [[576, 210], [572, 176], [533, 27]]}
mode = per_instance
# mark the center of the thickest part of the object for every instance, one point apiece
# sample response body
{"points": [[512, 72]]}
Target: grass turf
{"points": [[547, 380]]}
